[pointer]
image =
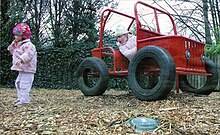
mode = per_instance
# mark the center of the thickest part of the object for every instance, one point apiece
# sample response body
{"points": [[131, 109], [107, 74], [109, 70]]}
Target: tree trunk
{"points": [[206, 22], [214, 19], [218, 12], [218, 20]]}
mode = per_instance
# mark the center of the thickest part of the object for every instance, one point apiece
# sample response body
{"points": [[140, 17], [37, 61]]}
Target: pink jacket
{"points": [[129, 48], [24, 56]]}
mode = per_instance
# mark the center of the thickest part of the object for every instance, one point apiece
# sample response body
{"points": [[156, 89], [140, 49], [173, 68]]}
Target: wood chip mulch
{"points": [[59, 112]]}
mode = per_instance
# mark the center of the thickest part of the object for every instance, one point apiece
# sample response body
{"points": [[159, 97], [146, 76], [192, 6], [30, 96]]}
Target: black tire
{"points": [[209, 85], [93, 76], [151, 73]]}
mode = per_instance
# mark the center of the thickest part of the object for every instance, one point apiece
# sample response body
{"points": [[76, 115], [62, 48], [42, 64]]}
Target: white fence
{"points": [[216, 60]]}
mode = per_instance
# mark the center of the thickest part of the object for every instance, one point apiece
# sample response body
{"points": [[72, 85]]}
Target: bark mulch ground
{"points": [[69, 112]]}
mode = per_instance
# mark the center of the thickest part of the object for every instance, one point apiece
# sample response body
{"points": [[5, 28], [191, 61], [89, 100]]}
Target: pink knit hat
{"points": [[22, 29]]}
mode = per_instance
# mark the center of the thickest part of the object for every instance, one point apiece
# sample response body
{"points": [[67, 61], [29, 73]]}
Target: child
{"points": [[126, 42], [24, 57]]}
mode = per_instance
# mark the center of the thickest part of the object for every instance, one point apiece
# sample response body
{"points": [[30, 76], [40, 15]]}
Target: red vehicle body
{"points": [[183, 56]]}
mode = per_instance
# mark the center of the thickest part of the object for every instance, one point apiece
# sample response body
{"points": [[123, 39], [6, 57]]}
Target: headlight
{"points": [[187, 54], [202, 57]]}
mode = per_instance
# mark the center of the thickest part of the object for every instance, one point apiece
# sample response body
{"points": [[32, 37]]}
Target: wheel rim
{"points": [[147, 73], [90, 77]]}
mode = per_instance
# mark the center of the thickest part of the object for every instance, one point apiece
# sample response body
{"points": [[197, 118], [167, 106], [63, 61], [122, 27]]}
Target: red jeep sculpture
{"points": [[159, 62]]}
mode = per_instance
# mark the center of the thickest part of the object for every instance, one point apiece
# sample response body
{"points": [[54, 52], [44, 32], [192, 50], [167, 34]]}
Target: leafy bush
{"points": [[212, 50]]}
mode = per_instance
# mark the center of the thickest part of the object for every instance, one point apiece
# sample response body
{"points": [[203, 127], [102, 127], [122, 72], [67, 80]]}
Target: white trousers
{"points": [[23, 85]]}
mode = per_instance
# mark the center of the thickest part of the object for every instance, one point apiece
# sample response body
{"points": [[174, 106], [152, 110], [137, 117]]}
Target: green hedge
{"points": [[56, 67]]}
